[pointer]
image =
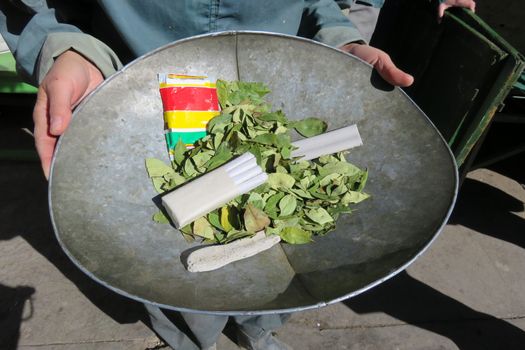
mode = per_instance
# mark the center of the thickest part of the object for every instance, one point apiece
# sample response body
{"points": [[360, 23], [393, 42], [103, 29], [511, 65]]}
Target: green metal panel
{"points": [[509, 71], [453, 84], [463, 69], [16, 103], [520, 84], [10, 82]]}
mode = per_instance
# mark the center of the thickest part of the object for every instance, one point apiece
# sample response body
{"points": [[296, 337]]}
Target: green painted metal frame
{"points": [[16, 100], [10, 81], [511, 69], [463, 69]]}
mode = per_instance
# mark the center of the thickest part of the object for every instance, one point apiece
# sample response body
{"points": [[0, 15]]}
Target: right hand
{"points": [[382, 63], [68, 81], [470, 4]]}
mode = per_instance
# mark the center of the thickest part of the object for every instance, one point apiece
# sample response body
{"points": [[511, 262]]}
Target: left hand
{"points": [[68, 81], [382, 63], [470, 4]]}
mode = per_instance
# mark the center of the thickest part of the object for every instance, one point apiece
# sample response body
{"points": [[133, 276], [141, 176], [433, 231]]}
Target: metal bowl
{"points": [[101, 198]]}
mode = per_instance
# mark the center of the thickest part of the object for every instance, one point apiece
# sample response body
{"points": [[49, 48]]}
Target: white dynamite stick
{"points": [[328, 143], [212, 190]]}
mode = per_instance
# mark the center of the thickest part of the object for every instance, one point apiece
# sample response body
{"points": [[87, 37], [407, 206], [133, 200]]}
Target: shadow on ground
{"points": [[487, 210], [511, 167], [414, 302], [13, 302], [490, 211], [24, 212]]}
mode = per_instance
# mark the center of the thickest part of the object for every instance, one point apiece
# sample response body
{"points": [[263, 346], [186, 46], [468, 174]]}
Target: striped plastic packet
{"points": [[189, 102]]}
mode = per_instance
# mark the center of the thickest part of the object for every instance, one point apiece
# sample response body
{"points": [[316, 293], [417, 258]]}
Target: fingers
{"points": [[470, 4], [382, 64], [60, 101], [51, 115], [459, 3], [393, 75], [45, 147], [69, 80], [441, 10], [44, 142]]}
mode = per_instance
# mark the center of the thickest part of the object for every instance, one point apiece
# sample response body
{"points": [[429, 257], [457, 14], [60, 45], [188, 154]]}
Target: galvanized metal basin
{"points": [[101, 198]]}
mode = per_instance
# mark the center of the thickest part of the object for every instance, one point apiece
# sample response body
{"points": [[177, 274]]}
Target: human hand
{"points": [[382, 63], [471, 4], [68, 81]]}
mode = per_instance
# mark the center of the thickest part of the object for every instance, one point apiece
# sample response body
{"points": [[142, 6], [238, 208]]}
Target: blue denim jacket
{"points": [[375, 3], [110, 31], [348, 3]]}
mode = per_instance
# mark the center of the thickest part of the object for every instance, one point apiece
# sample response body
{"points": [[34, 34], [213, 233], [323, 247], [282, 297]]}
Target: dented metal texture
{"points": [[102, 201]]}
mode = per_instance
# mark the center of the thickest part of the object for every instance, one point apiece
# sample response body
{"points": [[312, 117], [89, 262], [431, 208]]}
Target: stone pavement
{"points": [[465, 292]]}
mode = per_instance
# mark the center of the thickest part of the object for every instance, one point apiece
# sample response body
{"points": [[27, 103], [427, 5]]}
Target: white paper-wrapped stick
{"points": [[237, 162], [212, 190], [328, 143], [253, 183], [245, 172]]}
